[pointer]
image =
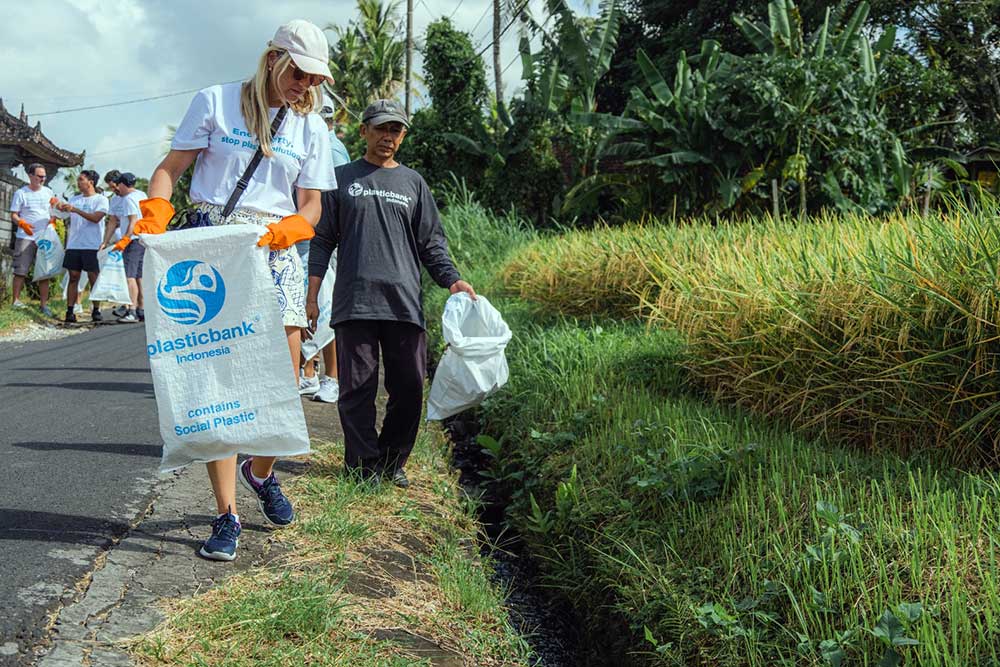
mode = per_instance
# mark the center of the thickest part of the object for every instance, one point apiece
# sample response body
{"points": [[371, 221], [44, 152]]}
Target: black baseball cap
{"points": [[384, 111], [127, 179]]}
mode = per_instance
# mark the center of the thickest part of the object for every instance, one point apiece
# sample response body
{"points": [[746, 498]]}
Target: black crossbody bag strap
{"points": [[244, 181]]}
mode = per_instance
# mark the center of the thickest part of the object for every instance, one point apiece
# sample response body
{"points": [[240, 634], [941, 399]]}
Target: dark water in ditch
{"points": [[548, 625]]}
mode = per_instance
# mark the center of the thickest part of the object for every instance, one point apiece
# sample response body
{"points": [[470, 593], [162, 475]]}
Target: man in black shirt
{"points": [[384, 225]]}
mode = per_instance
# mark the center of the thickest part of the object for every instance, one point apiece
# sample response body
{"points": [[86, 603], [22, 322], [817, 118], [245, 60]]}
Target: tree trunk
{"points": [[774, 198], [409, 53], [497, 75], [802, 201]]}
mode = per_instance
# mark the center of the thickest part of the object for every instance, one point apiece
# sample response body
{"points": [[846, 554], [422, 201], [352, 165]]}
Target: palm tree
{"points": [[368, 59]]}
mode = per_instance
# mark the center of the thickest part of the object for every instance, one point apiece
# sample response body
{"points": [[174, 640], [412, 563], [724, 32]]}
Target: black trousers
{"points": [[404, 350]]}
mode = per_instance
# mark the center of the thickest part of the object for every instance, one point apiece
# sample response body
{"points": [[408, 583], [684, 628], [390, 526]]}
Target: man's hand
{"points": [[312, 319], [28, 229], [462, 286]]}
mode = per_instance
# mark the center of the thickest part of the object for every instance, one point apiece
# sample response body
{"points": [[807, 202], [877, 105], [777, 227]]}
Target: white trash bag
{"points": [[82, 285], [49, 258], [111, 284], [474, 365], [217, 348], [324, 332]]}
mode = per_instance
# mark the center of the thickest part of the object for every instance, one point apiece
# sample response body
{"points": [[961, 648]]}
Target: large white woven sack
{"points": [[49, 258], [111, 284], [217, 349], [474, 365]]}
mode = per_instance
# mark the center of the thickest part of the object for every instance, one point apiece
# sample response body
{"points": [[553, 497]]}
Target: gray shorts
{"points": [[133, 256], [24, 256]]}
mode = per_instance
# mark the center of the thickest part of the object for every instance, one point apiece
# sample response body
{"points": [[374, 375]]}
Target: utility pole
{"points": [[496, 55], [409, 53]]}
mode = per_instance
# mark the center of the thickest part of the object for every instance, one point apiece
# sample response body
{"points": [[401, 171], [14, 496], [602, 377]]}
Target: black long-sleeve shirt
{"points": [[384, 225]]}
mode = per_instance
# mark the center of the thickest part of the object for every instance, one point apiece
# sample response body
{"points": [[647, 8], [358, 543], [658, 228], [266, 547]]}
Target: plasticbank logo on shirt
{"points": [[358, 190], [193, 293]]}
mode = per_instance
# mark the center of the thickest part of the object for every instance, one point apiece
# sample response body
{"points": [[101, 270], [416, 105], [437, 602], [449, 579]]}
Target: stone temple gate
{"points": [[21, 144]]}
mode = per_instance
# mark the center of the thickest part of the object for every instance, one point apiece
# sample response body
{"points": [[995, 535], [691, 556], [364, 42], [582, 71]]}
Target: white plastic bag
{"points": [[80, 286], [474, 365], [217, 349], [49, 258], [111, 284], [324, 332]]}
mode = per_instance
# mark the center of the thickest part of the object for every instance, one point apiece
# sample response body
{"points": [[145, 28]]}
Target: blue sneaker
{"points": [[224, 540], [273, 504]]}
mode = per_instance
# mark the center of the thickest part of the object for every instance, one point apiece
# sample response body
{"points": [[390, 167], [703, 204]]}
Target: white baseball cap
{"points": [[307, 46]]}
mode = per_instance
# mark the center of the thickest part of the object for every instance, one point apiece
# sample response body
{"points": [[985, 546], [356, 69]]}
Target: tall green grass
{"points": [[688, 534], [878, 332]]}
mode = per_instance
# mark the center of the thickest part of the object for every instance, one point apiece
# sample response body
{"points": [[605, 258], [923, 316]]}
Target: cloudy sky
{"points": [[64, 54]]}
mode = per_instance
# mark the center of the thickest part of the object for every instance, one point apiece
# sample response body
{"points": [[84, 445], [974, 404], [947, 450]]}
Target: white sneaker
{"points": [[329, 390], [119, 311], [308, 386], [128, 317], [18, 304]]}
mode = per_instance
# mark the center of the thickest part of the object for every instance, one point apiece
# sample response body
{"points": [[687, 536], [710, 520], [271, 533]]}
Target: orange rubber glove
{"points": [[156, 213], [52, 221], [287, 232], [25, 227], [123, 242]]}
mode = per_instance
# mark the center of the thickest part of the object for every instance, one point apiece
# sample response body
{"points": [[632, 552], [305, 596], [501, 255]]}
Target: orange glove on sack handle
{"points": [[287, 232], [122, 243], [52, 221], [156, 214]]}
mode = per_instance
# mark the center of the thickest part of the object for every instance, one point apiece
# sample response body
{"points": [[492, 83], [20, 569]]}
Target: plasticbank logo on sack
{"points": [[44, 245], [193, 293]]}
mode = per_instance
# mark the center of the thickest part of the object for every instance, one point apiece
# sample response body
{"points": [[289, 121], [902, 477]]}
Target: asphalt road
{"points": [[80, 447]]}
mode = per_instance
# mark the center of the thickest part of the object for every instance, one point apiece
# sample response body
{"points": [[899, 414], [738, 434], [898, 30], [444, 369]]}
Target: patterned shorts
{"points": [[286, 267]]}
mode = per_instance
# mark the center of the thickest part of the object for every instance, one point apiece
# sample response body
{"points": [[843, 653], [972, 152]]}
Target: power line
{"points": [[128, 148], [455, 11], [118, 104], [514, 18], [476, 27]]}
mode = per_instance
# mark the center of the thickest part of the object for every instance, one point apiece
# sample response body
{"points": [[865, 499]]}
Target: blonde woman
{"points": [[220, 133]]}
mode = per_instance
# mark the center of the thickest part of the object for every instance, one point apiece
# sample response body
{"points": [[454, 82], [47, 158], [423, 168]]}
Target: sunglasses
{"points": [[299, 75]]}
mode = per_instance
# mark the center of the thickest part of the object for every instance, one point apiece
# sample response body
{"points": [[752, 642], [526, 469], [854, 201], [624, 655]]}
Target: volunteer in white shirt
{"points": [[86, 232], [220, 133], [29, 209], [112, 234], [133, 253]]}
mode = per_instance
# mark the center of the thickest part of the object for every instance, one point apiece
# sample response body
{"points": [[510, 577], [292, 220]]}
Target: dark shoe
{"points": [[119, 311], [95, 315], [141, 314], [224, 540], [362, 474], [70, 316], [273, 504], [399, 479]]}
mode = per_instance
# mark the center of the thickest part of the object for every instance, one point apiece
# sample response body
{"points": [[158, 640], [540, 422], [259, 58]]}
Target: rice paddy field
{"points": [[756, 444]]}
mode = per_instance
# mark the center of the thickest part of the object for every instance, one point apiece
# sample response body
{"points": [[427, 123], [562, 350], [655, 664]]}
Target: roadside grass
{"points": [[693, 534], [12, 319], [373, 575], [871, 332]]}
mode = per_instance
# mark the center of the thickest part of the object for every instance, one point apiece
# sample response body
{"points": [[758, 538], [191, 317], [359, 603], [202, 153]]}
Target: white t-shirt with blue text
{"points": [[33, 207], [84, 234], [214, 122]]}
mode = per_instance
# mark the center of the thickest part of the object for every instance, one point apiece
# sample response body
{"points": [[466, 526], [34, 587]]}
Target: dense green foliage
{"points": [[687, 534]]}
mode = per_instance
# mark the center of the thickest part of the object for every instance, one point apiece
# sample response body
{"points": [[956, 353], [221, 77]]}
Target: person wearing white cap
{"points": [[222, 130]]}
